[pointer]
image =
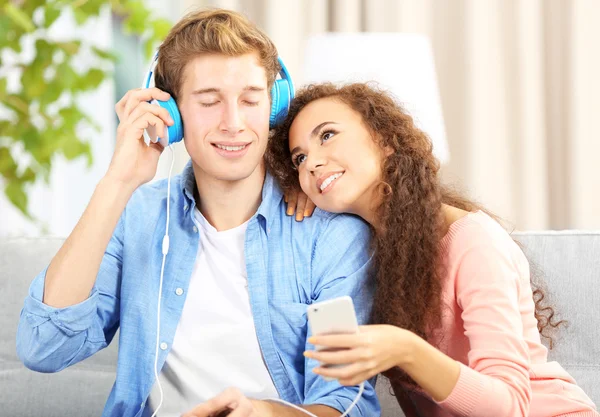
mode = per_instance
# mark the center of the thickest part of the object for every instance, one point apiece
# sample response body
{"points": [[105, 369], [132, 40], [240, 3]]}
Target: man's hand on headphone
{"points": [[133, 163]]}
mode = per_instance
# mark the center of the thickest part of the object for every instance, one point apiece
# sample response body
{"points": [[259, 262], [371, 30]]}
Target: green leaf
{"points": [[18, 103], [109, 55], [80, 16], [70, 48], [6, 29], [71, 116], [44, 151], [29, 6], [19, 17], [47, 146], [3, 85], [91, 80], [161, 28], [33, 78], [51, 14], [28, 175], [52, 93], [138, 18], [16, 194], [30, 137], [44, 51], [92, 7], [6, 130], [67, 78], [73, 148], [13, 42], [8, 166]]}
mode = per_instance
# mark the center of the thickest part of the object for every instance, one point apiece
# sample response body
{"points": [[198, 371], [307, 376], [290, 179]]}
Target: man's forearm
{"points": [[274, 409], [72, 273]]}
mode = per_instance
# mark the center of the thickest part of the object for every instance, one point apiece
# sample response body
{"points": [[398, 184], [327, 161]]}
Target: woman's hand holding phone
{"points": [[374, 349]]}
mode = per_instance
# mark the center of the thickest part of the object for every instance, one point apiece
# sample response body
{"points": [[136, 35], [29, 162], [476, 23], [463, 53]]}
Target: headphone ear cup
{"points": [[274, 104], [176, 130], [281, 98]]}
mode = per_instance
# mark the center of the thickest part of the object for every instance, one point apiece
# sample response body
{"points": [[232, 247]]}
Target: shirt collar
{"points": [[271, 194], [271, 201], [188, 185]]}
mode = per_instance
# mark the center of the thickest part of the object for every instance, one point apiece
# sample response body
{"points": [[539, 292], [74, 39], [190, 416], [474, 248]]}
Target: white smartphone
{"points": [[336, 316]]}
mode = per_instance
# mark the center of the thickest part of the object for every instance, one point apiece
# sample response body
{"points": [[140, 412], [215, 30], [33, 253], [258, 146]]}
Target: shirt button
{"points": [[179, 291], [163, 346], [195, 229], [185, 207]]}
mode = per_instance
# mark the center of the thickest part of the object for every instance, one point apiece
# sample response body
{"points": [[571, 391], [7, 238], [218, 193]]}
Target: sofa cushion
{"points": [[568, 265], [80, 390]]}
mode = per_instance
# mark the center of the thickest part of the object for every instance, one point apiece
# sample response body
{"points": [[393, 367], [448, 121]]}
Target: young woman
{"points": [[457, 323]]}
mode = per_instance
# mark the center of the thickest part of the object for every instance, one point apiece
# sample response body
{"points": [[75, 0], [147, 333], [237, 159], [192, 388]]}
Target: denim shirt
{"points": [[289, 265]]}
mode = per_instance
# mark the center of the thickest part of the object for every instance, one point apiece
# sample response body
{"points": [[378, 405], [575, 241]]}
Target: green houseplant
{"points": [[34, 124]]}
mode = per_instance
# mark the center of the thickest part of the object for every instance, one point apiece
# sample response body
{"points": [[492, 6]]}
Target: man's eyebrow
{"points": [[206, 90], [253, 88], [314, 133], [218, 90]]}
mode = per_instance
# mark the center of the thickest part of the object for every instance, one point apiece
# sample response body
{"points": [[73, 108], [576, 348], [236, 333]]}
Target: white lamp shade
{"points": [[400, 63]]}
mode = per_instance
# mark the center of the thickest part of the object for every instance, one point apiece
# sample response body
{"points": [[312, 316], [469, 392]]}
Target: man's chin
{"points": [[229, 173], [233, 177]]}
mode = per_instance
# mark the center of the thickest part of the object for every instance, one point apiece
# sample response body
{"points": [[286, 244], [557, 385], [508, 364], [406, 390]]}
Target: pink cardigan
{"points": [[488, 326]]}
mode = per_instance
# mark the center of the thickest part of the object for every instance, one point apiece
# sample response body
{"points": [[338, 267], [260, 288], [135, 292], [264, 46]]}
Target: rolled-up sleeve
{"points": [[341, 266], [50, 339]]}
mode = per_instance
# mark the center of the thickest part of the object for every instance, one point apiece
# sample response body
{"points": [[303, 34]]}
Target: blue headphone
{"points": [[282, 94]]}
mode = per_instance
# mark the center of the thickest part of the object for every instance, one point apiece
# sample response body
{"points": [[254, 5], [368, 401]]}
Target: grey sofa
{"points": [[570, 262]]}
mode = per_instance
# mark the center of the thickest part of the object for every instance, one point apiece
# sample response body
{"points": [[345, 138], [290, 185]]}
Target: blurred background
{"points": [[508, 90]]}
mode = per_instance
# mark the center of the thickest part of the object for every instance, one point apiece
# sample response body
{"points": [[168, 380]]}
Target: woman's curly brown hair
{"points": [[407, 259]]}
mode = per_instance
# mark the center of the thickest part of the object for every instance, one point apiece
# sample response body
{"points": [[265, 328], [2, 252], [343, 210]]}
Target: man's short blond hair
{"points": [[212, 31]]}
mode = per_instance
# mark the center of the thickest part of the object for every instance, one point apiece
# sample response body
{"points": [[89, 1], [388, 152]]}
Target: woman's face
{"points": [[338, 161]]}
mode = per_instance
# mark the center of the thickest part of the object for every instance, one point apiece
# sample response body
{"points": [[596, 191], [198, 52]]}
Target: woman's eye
{"points": [[209, 104], [251, 103], [298, 159], [327, 135]]}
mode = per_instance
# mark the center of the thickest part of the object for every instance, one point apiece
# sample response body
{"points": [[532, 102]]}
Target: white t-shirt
{"points": [[215, 344]]}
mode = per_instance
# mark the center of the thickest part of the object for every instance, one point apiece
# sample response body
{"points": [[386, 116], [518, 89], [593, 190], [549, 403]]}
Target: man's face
{"points": [[225, 106]]}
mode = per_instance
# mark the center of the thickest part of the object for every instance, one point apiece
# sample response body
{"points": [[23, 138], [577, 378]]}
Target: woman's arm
{"points": [[378, 348]]}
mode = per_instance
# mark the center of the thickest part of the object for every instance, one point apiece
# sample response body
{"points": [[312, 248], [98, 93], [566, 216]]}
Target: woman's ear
{"points": [[386, 150]]}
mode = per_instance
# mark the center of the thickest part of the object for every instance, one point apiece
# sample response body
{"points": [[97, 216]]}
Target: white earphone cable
{"points": [[165, 250]]}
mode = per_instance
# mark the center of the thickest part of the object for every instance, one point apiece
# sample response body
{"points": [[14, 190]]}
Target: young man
{"points": [[239, 273]]}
